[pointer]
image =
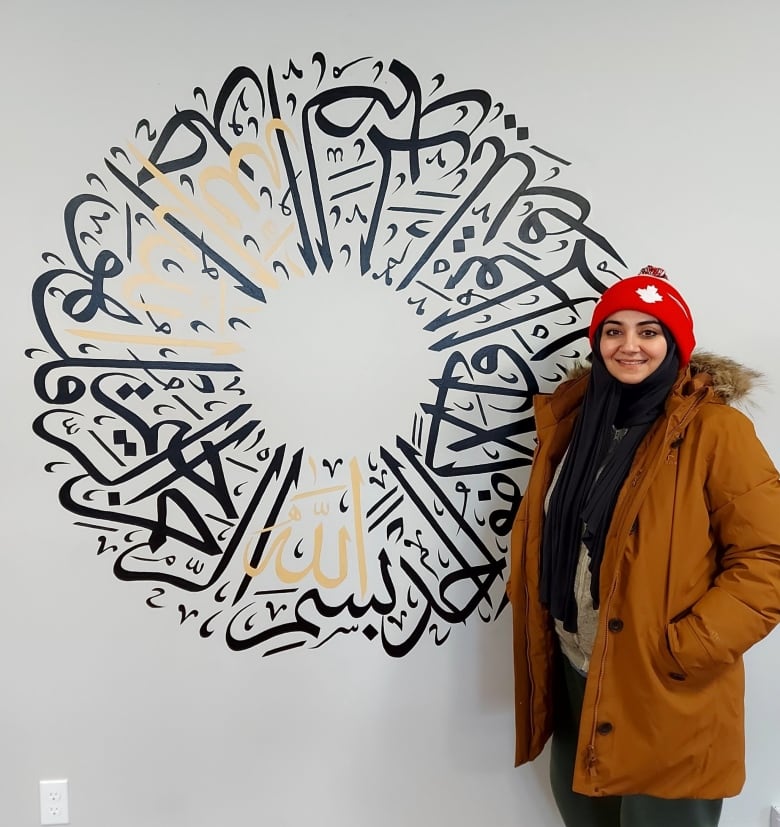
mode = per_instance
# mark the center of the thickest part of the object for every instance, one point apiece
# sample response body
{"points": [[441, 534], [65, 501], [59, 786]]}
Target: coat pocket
{"points": [[668, 667], [684, 658]]}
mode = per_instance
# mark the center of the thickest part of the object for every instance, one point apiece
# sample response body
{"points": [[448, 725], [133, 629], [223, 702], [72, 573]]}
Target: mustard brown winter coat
{"points": [[690, 579]]}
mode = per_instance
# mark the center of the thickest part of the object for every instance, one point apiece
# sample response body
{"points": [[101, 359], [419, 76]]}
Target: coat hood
{"points": [[731, 381]]}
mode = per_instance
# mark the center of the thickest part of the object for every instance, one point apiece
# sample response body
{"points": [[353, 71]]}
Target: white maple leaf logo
{"points": [[649, 294]]}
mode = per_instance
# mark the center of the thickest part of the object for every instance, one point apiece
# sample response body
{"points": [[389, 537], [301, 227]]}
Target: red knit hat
{"points": [[650, 293]]}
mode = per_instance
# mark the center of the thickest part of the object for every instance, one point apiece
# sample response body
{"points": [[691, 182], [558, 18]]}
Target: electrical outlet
{"points": [[54, 802], [774, 816]]}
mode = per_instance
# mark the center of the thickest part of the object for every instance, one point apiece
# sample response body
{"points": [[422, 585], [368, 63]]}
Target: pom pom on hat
{"points": [[649, 292]]}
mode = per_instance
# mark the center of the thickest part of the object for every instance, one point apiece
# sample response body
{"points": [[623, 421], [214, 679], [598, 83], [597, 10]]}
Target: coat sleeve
{"points": [[743, 603]]}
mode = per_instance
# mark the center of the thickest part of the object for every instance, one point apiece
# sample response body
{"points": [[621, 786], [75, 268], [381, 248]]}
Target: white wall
{"points": [[667, 114]]}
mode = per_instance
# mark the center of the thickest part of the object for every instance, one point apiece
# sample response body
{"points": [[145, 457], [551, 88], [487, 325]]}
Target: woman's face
{"points": [[632, 345]]}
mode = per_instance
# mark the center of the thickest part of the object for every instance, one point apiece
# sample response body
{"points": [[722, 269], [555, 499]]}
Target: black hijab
{"points": [[584, 496]]}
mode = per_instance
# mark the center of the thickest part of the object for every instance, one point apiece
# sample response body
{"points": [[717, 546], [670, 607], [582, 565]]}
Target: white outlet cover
{"points": [[54, 801]]}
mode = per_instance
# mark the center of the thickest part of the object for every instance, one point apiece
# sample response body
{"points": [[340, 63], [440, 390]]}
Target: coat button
{"points": [[604, 728], [615, 624], [677, 676]]}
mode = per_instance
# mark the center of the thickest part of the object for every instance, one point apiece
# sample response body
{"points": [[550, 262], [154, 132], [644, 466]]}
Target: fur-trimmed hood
{"points": [[731, 381]]}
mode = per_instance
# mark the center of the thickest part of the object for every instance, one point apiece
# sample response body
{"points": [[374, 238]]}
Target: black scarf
{"points": [[582, 502]]}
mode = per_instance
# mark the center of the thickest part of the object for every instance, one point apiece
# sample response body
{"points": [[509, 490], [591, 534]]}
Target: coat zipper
{"points": [[590, 753], [590, 759], [531, 683], [540, 522]]}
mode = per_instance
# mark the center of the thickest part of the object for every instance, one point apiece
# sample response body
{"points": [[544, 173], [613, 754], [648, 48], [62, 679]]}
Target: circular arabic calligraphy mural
{"points": [[408, 240]]}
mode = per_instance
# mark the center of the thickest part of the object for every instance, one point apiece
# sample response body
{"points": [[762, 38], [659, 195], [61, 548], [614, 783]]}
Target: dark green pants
{"points": [[610, 811]]}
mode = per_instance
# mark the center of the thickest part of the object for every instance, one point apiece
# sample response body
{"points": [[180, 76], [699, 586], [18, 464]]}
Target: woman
{"points": [[645, 561]]}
